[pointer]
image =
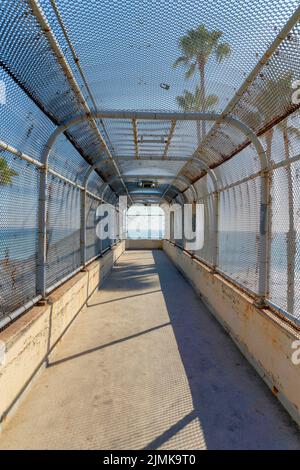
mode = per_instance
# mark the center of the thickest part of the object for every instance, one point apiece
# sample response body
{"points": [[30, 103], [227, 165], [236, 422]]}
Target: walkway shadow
{"points": [[103, 346], [138, 277], [118, 299], [216, 399], [235, 408]]}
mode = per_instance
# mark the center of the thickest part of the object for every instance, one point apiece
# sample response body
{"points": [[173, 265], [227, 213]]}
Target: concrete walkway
{"points": [[146, 366]]}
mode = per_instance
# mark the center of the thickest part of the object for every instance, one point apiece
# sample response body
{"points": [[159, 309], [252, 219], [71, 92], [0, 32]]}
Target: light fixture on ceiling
{"points": [[147, 184]]}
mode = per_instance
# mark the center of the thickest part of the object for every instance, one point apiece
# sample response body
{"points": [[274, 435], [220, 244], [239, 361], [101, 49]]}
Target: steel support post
{"points": [[41, 280], [215, 230], [83, 227], [264, 240]]}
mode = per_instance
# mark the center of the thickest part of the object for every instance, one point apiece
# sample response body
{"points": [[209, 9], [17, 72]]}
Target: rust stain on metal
{"points": [[171, 133], [135, 138], [225, 158]]}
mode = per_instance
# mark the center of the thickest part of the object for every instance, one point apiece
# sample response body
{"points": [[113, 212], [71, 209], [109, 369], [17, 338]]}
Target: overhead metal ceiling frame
{"points": [[138, 198], [154, 158], [133, 178], [162, 117], [46, 28]]}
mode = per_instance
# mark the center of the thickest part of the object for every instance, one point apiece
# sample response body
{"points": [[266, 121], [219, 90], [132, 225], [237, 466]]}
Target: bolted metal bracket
{"points": [[42, 302]]}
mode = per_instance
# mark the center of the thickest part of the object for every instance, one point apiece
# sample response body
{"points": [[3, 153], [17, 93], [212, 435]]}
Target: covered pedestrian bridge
{"points": [[149, 224]]}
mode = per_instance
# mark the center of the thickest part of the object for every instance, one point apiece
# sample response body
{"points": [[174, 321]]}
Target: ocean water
{"points": [[238, 256], [21, 244], [237, 249]]}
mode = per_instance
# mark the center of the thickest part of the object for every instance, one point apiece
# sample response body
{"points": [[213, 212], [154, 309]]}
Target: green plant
{"points": [[6, 173], [190, 102]]}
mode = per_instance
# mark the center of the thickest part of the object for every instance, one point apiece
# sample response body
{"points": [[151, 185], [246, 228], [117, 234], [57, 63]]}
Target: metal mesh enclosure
{"points": [[239, 233], [25, 126], [151, 67], [93, 243], [238, 217], [63, 230], [284, 246]]}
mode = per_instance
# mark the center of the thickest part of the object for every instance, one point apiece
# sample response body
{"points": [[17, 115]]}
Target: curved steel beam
{"points": [[88, 175], [162, 117], [182, 197], [184, 179], [211, 173], [144, 115], [104, 191]]}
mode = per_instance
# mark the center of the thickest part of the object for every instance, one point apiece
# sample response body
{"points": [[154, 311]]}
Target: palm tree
{"points": [[190, 102], [6, 173], [198, 46], [8, 265]]}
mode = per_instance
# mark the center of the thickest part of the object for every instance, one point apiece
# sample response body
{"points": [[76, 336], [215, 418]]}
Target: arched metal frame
{"points": [[215, 222], [219, 118], [180, 178]]}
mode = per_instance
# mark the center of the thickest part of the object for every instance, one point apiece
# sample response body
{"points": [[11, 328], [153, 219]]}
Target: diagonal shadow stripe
{"points": [[107, 345], [123, 298], [172, 431]]}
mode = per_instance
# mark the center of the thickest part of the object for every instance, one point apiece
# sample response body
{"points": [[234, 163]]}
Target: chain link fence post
{"points": [[42, 232], [264, 240], [83, 228], [215, 232]]}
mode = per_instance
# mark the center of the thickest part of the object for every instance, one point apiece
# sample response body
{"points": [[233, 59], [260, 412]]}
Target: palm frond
{"points": [[198, 46], [191, 70], [182, 60], [6, 173], [192, 101], [293, 131], [211, 101], [223, 51]]}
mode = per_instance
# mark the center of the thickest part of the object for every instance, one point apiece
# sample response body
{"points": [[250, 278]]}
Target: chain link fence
{"points": [[19, 238], [238, 213], [71, 205]]}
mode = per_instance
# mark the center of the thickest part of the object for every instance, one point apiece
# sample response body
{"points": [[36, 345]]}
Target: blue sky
{"points": [[127, 48]]}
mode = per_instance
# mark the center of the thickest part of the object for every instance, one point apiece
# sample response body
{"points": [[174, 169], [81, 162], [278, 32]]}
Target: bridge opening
{"points": [[145, 222]]}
